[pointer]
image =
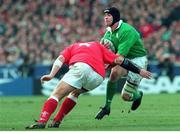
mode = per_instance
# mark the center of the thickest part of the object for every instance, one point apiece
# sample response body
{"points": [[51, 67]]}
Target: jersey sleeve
{"points": [[66, 53], [127, 41]]}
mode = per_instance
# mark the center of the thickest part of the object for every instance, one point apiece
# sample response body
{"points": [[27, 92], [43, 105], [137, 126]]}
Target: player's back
{"points": [[86, 51], [91, 53]]}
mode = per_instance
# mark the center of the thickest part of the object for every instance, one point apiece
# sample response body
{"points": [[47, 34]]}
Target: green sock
{"points": [[111, 89], [136, 95]]}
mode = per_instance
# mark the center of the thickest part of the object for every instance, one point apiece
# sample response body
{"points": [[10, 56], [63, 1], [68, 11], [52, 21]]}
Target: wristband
{"points": [[129, 65]]}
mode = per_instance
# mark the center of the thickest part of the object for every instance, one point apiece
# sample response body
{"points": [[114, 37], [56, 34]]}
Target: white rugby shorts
{"points": [[133, 77], [81, 75]]}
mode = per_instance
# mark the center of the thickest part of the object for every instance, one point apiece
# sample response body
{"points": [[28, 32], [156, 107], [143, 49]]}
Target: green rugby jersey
{"points": [[126, 40]]}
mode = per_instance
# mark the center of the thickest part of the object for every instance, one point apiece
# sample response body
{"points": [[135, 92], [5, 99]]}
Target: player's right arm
{"points": [[129, 65], [55, 68], [64, 57]]}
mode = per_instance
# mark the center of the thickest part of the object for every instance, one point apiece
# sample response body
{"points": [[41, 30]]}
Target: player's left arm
{"points": [[55, 68]]}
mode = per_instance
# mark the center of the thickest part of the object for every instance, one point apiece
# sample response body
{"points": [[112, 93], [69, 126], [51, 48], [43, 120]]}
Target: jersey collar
{"points": [[109, 28]]}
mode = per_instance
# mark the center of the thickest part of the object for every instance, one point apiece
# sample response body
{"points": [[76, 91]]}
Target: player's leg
{"points": [[72, 77], [67, 105], [87, 80], [130, 90], [51, 103], [116, 73]]}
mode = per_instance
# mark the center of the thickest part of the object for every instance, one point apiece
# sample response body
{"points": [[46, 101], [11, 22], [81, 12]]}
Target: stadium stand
{"points": [[33, 32]]}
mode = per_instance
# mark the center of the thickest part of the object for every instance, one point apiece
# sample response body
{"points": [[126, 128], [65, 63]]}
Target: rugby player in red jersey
{"points": [[86, 71]]}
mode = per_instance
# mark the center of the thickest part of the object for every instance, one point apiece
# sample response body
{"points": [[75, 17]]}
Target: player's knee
{"points": [[114, 76], [116, 73], [126, 97]]}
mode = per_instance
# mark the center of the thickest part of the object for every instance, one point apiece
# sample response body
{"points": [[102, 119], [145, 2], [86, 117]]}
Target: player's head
{"points": [[112, 15]]}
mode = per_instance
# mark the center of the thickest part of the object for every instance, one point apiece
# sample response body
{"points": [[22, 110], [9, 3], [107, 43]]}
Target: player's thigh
{"points": [[117, 72], [62, 89], [74, 76]]}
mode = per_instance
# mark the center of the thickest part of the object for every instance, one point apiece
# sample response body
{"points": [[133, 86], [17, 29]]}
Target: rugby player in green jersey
{"points": [[124, 40]]}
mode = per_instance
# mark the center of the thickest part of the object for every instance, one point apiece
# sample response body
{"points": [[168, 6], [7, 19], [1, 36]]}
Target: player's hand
{"points": [[107, 45], [46, 78], [145, 74]]}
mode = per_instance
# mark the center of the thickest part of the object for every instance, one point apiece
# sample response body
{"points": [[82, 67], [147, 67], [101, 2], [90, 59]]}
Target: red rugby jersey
{"points": [[91, 53]]}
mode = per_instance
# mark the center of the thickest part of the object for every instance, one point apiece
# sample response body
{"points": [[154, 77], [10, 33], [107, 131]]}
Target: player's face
{"points": [[108, 19]]}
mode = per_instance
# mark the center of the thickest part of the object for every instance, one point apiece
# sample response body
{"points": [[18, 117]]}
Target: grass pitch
{"points": [[157, 112]]}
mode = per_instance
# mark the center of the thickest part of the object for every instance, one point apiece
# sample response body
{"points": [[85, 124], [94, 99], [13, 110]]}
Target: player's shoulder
{"points": [[127, 27]]}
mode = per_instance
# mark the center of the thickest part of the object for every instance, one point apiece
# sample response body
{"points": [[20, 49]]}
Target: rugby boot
{"points": [[137, 102], [104, 111], [54, 124], [37, 125]]}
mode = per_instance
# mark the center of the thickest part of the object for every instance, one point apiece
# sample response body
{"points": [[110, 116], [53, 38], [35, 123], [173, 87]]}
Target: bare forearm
{"points": [[56, 66], [54, 70]]}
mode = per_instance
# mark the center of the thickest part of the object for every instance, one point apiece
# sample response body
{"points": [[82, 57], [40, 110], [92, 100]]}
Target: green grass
{"points": [[157, 112]]}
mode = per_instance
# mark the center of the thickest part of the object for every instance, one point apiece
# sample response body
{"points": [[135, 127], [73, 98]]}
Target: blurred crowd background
{"points": [[35, 31]]}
